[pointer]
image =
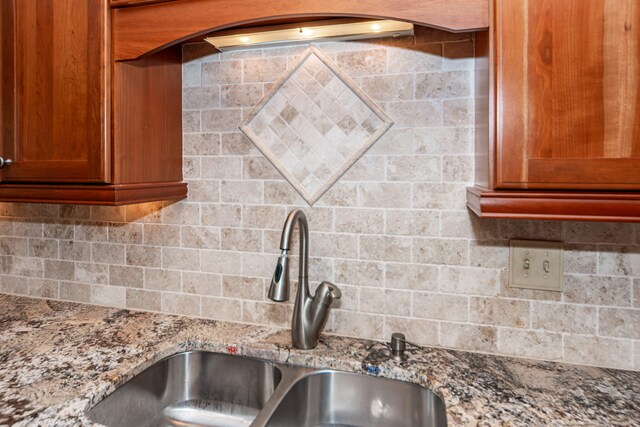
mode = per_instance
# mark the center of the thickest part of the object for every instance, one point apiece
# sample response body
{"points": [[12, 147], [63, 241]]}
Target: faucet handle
{"points": [[326, 293], [333, 290]]}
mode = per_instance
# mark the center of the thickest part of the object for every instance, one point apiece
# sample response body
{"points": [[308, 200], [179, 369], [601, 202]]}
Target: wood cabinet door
{"points": [[55, 60], [567, 94]]}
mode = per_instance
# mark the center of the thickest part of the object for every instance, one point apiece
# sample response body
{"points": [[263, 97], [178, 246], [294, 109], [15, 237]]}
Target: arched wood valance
{"points": [[144, 29]]}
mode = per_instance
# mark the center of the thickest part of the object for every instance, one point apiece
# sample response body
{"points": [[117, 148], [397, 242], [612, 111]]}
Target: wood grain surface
{"points": [[144, 29], [550, 205], [107, 195], [568, 94], [147, 118], [61, 82]]}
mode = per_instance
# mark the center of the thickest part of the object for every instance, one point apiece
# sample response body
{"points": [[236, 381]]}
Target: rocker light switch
{"points": [[536, 265]]}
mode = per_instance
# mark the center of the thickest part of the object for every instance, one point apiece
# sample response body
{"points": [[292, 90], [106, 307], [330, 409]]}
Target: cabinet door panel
{"points": [[61, 81], [568, 94]]}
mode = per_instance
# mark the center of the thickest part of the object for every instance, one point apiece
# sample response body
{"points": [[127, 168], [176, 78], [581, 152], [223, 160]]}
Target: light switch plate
{"points": [[536, 265]]}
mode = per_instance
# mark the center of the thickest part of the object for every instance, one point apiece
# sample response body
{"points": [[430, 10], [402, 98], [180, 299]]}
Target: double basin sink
{"points": [[211, 389]]}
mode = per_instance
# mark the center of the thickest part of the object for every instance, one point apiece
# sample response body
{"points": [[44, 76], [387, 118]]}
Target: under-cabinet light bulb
{"points": [[306, 32]]}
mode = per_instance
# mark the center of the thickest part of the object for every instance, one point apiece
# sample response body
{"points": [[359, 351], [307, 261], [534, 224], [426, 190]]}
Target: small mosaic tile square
{"points": [[315, 124]]}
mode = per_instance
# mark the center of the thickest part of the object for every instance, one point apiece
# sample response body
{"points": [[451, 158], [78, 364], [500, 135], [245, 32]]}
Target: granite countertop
{"points": [[58, 359]]}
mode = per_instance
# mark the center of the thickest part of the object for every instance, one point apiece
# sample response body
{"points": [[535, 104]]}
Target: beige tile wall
{"points": [[394, 233]]}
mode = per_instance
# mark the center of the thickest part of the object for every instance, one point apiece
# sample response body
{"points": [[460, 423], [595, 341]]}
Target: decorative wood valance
{"points": [[144, 29]]}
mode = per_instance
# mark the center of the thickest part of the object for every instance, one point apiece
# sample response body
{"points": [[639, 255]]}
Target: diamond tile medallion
{"points": [[315, 124]]}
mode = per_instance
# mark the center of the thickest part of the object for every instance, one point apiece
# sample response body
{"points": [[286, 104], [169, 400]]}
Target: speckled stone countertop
{"points": [[58, 359]]}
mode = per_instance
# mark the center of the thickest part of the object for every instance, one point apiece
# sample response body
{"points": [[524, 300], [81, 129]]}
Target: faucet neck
{"points": [[309, 314], [296, 216]]}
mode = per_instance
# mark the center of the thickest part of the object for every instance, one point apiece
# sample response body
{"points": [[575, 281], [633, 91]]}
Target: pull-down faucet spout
{"points": [[309, 313]]}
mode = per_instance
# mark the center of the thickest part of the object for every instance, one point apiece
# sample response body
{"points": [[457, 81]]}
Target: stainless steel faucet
{"points": [[309, 313]]}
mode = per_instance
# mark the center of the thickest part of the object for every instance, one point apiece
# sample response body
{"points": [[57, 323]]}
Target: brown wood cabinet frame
{"points": [[533, 163], [79, 126]]}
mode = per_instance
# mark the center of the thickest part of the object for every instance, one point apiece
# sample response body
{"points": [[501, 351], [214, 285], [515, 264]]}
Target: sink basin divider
{"points": [[291, 374]]}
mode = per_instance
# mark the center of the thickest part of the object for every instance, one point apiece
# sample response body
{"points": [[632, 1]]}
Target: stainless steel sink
{"points": [[195, 389], [333, 398], [210, 389]]}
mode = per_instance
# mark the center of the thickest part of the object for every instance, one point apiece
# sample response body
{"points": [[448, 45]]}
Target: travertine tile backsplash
{"points": [[314, 124], [393, 233]]}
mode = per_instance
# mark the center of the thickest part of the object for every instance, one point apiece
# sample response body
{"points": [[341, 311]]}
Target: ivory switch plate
{"points": [[536, 265]]}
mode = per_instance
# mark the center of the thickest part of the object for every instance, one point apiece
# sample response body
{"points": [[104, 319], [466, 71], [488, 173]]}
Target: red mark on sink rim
{"points": [[232, 349]]}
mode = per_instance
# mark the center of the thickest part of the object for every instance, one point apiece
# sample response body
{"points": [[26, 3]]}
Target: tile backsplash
{"points": [[314, 124], [393, 232]]}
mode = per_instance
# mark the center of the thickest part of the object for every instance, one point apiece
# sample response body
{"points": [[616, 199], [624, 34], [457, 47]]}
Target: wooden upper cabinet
{"points": [[557, 93], [567, 94], [78, 126], [60, 79]]}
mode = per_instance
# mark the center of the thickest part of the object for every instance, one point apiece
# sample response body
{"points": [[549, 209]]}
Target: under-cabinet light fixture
{"points": [[337, 29]]}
